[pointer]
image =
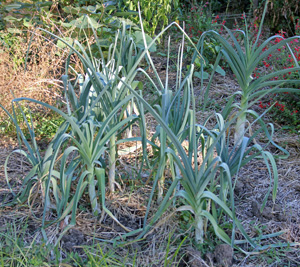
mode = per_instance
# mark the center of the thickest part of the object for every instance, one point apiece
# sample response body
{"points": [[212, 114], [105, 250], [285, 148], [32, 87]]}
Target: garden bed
{"points": [[251, 187]]}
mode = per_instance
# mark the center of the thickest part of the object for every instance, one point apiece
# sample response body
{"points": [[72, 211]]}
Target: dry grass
{"points": [[41, 79]]}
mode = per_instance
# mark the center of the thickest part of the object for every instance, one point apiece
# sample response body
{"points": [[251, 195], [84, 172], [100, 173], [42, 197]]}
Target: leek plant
{"points": [[237, 156], [202, 188], [174, 109], [243, 57], [88, 143], [40, 165], [197, 169], [102, 79]]}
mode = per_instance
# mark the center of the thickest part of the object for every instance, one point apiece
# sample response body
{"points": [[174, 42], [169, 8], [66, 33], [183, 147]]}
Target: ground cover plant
{"points": [[138, 170]]}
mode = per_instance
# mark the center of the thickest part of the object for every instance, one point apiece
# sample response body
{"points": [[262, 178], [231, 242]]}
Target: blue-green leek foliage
{"points": [[197, 169], [84, 169], [243, 57], [101, 84], [174, 108], [40, 162], [93, 117]]}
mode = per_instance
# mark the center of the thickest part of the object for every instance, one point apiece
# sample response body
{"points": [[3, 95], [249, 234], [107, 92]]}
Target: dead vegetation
{"points": [[31, 68]]}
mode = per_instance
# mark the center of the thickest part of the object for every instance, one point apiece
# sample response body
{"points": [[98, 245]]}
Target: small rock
{"points": [[267, 213], [255, 209], [223, 255], [239, 187], [281, 217], [249, 213]]}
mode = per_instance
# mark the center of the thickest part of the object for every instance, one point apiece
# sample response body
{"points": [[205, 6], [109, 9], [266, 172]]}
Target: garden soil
{"points": [[252, 184]]}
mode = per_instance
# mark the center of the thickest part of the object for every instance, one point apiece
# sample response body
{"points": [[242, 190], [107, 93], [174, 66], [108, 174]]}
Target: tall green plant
{"points": [[197, 170], [238, 156], [174, 107], [194, 176], [114, 64], [40, 165], [88, 144], [243, 58]]}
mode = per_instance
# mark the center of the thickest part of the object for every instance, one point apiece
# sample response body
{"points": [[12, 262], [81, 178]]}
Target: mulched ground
{"points": [[252, 185]]}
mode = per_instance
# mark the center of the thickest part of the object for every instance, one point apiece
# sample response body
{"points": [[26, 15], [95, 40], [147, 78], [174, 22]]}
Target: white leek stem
{"points": [[112, 163], [199, 229]]}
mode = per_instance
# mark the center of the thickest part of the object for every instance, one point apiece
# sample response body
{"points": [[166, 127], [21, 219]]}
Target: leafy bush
{"points": [[155, 13], [46, 124], [287, 105], [281, 15], [198, 19]]}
